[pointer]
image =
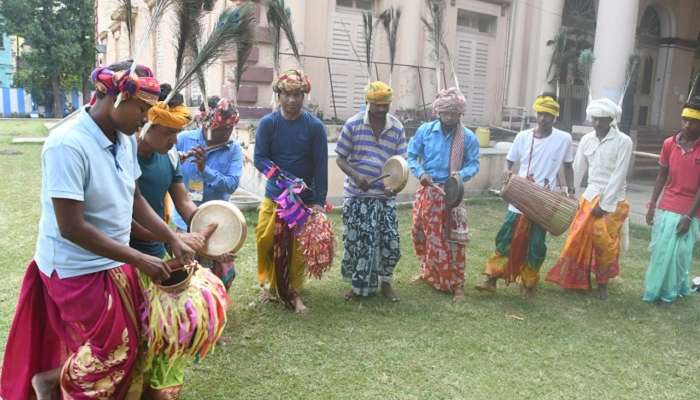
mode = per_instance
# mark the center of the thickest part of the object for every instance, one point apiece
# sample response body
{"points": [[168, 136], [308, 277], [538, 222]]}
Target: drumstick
{"points": [[379, 178]]}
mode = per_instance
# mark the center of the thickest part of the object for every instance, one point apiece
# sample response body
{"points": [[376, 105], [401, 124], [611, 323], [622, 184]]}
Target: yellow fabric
{"points": [[378, 92], [496, 267], [691, 113], [171, 117], [264, 238], [546, 104]]}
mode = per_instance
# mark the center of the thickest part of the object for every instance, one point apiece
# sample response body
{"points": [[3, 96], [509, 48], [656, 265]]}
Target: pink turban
{"points": [[450, 100]]}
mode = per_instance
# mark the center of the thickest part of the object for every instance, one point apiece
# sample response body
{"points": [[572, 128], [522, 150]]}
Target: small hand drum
{"points": [[231, 229], [454, 191], [395, 173]]}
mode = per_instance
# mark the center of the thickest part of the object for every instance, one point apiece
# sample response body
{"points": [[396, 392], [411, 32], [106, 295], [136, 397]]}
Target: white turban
{"points": [[602, 108]]}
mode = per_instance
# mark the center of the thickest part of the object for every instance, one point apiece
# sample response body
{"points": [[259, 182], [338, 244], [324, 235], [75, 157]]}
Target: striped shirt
{"points": [[366, 153]]}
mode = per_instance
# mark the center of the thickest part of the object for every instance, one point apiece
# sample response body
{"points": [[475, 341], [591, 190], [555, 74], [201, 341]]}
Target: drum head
{"points": [[454, 191], [397, 169], [230, 232]]}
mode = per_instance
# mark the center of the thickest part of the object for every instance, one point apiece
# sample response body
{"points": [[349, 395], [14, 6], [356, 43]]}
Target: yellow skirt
{"points": [[264, 238]]}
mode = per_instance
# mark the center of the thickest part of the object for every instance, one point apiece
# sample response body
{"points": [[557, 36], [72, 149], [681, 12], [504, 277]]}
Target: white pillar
{"points": [[616, 27]]}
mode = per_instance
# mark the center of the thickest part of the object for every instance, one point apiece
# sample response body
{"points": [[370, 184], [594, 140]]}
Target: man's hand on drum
{"points": [[389, 193], [361, 182], [426, 180], [200, 156], [180, 250], [154, 267], [507, 174], [197, 240]]}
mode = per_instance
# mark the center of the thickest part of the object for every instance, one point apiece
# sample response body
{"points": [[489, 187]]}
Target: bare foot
{"points": [[350, 295], [417, 278], [602, 291], [487, 285], [528, 293], [388, 292], [299, 306], [459, 295], [45, 384]]}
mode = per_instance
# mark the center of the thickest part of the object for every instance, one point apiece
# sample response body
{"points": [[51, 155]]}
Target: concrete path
{"points": [[638, 195]]}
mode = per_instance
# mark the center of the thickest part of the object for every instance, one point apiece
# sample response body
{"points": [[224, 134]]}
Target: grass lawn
{"points": [[24, 127], [559, 346]]}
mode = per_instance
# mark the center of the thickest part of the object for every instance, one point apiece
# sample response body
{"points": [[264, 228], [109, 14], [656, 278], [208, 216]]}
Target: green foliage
{"points": [[59, 38]]}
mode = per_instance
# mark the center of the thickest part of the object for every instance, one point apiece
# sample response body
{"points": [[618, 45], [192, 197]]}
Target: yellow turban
{"points": [[378, 92], [691, 113], [176, 117], [546, 104]]}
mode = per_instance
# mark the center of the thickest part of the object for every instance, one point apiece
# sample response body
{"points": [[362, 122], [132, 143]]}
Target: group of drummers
{"points": [[116, 303]]}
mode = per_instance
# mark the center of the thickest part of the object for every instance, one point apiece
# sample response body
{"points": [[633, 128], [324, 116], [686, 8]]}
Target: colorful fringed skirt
{"points": [[671, 258]]}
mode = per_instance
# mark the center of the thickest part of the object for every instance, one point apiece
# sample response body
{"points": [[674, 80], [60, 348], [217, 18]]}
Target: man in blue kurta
{"points": [[295, 142], [371, 234], [439, 149], [214, 174]]}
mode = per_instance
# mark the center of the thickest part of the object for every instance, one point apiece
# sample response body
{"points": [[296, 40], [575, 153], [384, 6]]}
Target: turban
{"points": [[450, 100], [378, 92], [602, 108], [223, 115], [691, 112], [176, 117], [546, 104], [292, 80], [113, 83]]}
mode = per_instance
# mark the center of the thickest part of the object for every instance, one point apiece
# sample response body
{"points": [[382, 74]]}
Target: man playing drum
{"points": [[211, 174], [520, 243], [593, 244], [440, 149], [160, 175], [78, 316], [295, 142], [371, 235]]}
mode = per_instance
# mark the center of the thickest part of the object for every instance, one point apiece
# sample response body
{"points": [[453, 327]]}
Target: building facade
{"points": [[499, 49]]}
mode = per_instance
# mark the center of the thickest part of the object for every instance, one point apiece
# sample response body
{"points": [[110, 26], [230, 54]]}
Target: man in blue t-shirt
{"points": [[295, 141]]}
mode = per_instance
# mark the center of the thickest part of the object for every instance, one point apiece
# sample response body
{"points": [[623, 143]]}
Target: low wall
{"points": [[489, 176]]}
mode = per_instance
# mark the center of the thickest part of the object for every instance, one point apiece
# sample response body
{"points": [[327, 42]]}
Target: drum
{"points": [[186, 313], [395, 173], [231, 228], [552, 211], [454, 191]]}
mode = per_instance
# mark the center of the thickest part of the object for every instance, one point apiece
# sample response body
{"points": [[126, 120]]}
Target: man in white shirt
{"points": [[593, 244], [520, 243]]}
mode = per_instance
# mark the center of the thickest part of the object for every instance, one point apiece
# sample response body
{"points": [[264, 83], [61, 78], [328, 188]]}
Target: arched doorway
{"points": [[655, 23]]}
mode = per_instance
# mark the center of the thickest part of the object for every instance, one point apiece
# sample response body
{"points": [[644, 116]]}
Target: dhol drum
{"points": [[552, 211]]}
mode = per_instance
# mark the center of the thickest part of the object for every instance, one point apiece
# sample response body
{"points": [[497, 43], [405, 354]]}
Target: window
{"points": [[359, 4], [470, 21], [651, 23]]}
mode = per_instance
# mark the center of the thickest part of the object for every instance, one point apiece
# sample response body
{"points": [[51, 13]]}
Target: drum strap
{"points": [[457, 149]]}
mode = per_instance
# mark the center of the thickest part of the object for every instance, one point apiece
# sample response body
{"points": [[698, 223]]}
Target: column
{"points": [[615, 33]]}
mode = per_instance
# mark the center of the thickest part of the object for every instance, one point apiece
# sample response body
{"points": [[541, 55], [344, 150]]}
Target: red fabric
{"points": [[87, 316], [441, 262], [683, 176]]}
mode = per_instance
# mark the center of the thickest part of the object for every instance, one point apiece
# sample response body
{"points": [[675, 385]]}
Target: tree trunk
{"points": [[57, 100], [86, 87]]}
